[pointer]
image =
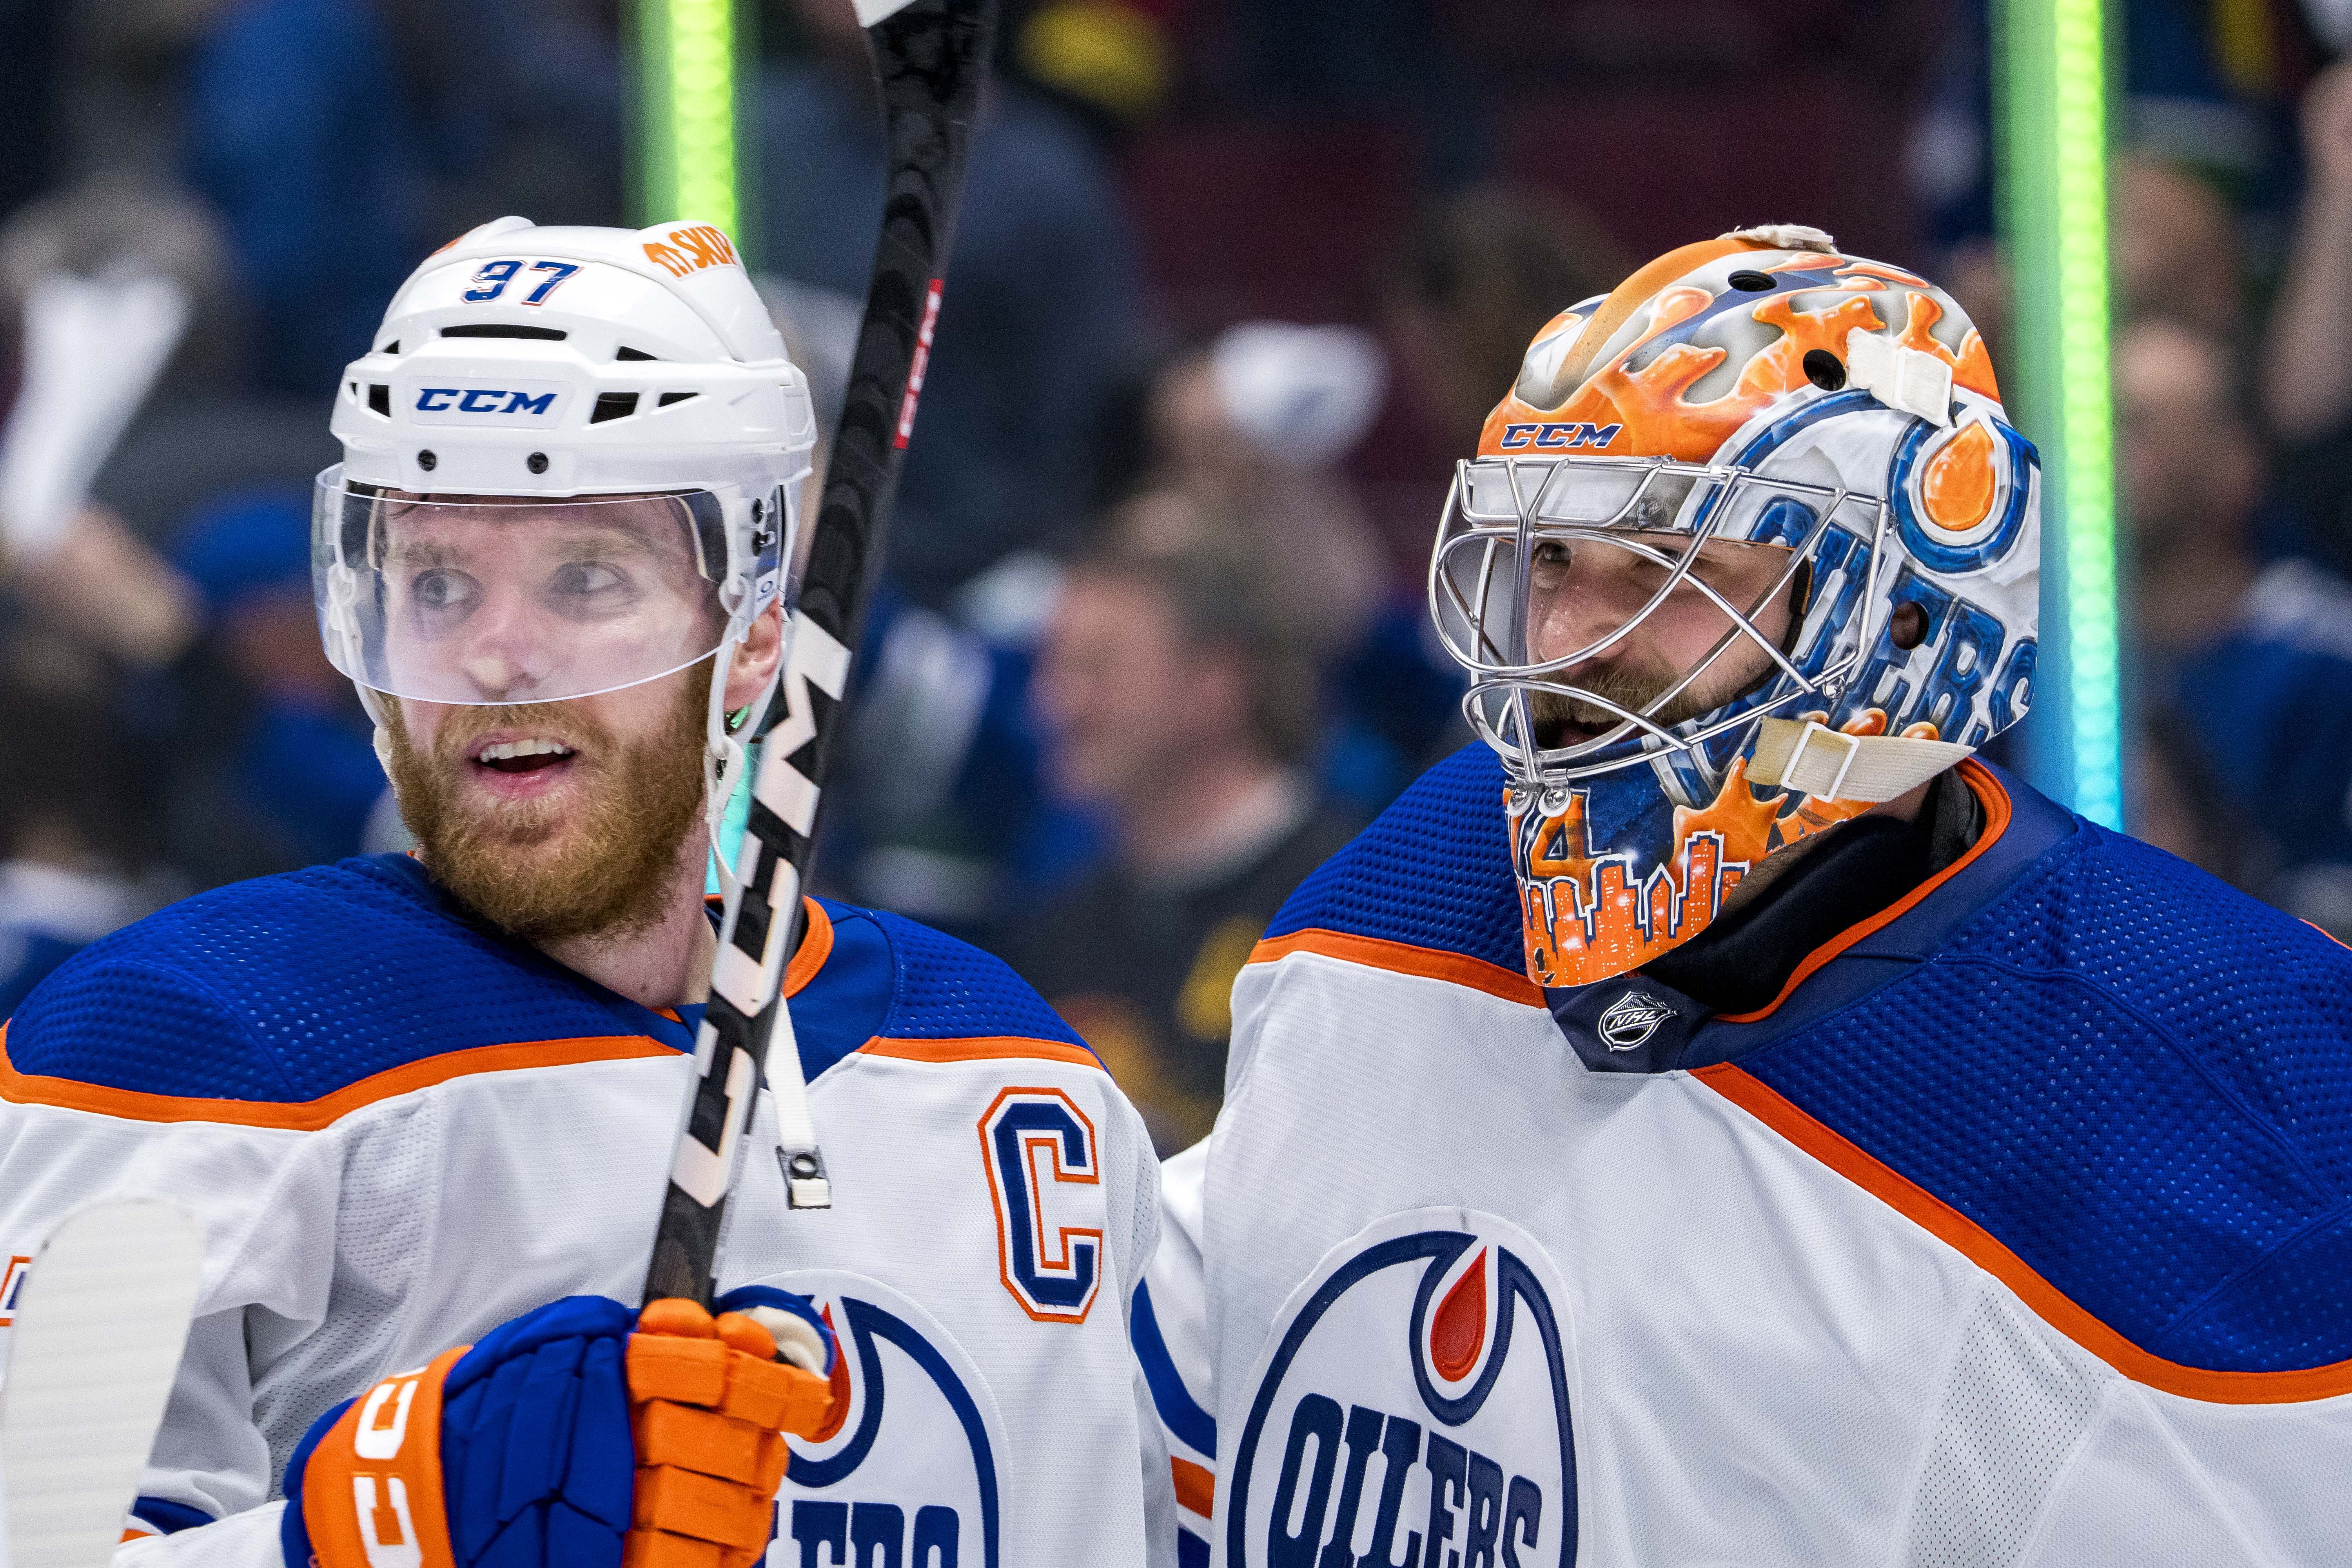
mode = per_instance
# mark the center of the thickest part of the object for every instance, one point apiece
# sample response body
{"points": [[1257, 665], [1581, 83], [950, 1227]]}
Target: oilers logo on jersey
{"points": [[908, 1470], [1412, 1407]]}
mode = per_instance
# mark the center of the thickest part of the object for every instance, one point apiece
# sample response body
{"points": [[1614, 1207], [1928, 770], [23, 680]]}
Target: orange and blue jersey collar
{"points": [[1632, 1022]]}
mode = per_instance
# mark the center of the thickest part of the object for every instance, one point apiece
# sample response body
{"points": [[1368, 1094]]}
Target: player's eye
{"points": [[442, 592], [592, 587], [1550, 562]]}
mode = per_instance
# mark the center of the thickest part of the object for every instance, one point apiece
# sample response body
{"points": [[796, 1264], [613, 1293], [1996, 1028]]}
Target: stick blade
{"points": [[99, 1324]]}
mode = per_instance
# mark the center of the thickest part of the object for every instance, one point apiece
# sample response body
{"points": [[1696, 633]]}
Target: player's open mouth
{"points": [[1569, 732], [529, 756], [1555, 729]]}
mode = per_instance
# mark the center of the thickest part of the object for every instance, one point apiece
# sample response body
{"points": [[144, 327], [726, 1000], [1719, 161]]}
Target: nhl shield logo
{"points": [[1631, 1019], [1414, 1392]]}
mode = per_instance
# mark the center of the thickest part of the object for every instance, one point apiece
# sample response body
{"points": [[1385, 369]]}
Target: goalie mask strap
{"points": [[1812, 759]]}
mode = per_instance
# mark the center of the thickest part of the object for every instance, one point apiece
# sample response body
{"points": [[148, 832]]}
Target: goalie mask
{"points": [[570, 464], [1750, 547]]}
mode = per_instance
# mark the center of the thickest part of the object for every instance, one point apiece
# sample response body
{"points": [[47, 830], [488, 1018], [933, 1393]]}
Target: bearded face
{"points": [[1579, 595], [1564, 721], [557, 820]]}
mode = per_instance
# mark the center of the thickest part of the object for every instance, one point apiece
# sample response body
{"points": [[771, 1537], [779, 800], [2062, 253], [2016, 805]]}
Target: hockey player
{"points": [[414, 1099], [1721, 1120]]}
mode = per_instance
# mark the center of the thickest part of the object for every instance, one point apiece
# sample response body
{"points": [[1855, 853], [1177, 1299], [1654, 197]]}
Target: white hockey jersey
{"points": [[2017, 1231], [1170, 1323], [400, 1132]]}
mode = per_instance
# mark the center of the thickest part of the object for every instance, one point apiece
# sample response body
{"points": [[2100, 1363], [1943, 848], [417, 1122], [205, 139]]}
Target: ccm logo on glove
{"points": [[581, 1433]]}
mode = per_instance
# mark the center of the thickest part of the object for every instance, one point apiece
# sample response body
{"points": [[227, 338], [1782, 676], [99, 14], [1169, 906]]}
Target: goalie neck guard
{"points": [[1749, 547]]}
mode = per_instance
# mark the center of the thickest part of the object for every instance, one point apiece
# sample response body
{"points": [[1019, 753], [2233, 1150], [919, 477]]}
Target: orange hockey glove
{"points": [[708, 1399], [583, 1435]]}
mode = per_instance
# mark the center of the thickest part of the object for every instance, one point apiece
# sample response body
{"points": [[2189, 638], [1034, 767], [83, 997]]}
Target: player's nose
{"points": [[508, 655], [1567, 623]]}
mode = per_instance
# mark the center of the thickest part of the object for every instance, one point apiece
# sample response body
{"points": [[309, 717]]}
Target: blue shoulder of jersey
{"points": [[1432, 871], [887, 977], [2133, 1077], [287, 989]]}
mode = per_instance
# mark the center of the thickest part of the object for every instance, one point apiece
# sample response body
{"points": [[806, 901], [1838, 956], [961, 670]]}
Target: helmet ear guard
{"points": [[1911, 510]]}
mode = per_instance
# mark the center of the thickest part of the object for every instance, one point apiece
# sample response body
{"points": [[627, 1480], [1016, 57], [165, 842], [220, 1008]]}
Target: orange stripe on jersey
{"points": [[309, 1115], [1196, 1488], [994, 1048], [816, 946], [2044, 1300], [1403, 958], [1996, 810]]}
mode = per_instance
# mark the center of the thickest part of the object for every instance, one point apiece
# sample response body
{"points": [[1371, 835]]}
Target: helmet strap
{"points": [[1809, 758], [723, 758]]}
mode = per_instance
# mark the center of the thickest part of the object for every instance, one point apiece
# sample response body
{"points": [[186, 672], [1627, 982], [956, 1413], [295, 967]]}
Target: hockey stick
{"points": [[98, 1326], [930, 57]]}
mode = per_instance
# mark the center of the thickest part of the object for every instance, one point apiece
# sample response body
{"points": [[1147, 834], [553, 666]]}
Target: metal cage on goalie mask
{"points": [[614, 591], [1867, 509]]}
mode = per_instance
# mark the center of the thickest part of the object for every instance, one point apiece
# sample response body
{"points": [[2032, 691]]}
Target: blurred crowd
{"points": [[1235, 281]]}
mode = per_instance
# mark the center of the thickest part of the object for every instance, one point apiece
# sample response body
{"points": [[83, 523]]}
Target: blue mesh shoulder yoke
{"points": [[2133, 1077], [285, 989]]}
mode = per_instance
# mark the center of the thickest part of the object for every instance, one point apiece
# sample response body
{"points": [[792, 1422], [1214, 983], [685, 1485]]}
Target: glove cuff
{"points": [[372, 1490]]}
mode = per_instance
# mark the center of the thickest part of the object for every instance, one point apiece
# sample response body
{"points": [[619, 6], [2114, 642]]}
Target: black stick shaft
{"points": [[930, 58]]}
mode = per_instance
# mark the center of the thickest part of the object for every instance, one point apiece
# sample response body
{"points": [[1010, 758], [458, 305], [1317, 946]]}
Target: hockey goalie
{"points": [[1720, 1118]]}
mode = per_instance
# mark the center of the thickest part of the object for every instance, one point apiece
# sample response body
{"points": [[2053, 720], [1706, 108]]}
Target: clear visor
{"points": [[484, 599], [1622, 596]]}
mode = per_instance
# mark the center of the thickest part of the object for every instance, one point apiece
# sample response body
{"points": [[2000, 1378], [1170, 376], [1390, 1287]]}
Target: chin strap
{"points": [[372, 700], [1812, 759], [724, 760], [722, 765]]}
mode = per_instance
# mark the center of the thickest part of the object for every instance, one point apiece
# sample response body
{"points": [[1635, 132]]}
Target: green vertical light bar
{"points": [[687, 65], [2053, 56], [689, 166]]}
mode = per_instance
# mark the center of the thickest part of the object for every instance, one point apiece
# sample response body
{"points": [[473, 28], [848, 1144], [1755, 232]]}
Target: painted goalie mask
{"points": [[1750, 547]]}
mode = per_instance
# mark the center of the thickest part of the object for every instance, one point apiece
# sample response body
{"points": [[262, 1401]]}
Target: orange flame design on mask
{"points": [[1877, 275], [1655, 418], [1583, 918], [1971, 367]]}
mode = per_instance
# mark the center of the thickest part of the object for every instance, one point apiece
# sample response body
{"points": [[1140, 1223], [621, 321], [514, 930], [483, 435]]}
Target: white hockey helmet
{"points": [[570, 464]]}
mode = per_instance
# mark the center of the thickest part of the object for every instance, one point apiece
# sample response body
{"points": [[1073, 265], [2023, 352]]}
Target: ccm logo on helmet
{"points": [[690, 249], [484, 400], [1553, 436]]}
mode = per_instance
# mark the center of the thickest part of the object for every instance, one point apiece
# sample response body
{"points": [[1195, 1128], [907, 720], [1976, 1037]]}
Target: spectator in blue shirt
{"points": [[296, 777], [2245, 664], [73, 834]]}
